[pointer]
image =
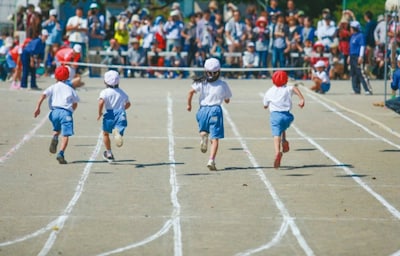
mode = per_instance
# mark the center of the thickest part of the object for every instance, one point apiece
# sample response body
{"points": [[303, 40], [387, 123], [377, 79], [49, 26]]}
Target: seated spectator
{"points": [[320, 77], [218, 49], [307, 55], [177, 61], [336, 63], [114, 56], [296, 60], [136, 57], [250, 59], [155, 60]]}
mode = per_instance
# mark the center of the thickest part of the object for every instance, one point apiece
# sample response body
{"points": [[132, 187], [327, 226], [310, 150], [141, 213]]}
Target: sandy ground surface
{"points": [[337, 192]]}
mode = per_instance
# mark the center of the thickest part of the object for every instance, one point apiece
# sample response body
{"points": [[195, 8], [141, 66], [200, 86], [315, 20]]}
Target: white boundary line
{"points": [[278, 202]]}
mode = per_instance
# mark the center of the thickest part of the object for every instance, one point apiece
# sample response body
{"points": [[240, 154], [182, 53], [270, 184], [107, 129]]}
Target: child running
{"points": [[63, 101], [279, 101], [115, 101], [212, 93]]}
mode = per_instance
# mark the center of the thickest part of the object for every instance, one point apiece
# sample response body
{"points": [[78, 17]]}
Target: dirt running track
{"points": [[337, 192]]}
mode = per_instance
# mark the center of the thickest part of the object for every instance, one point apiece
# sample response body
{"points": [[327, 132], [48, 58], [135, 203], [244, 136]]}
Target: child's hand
{"points": [[37, 112], [301, 103], [189, 108]]}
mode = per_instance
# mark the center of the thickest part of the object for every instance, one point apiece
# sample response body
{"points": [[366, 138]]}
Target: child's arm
{"points": [[127, 105], [100, 108], [298, 93], [189, 100], [74, 105], [37, 110]]}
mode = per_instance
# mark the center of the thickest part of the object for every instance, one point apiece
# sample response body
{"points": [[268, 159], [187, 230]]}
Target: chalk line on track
{"points": [[278, 202]]}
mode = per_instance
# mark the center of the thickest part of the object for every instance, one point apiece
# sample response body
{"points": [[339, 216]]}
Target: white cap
{"points": [[355, 24], [212, 65], [93, 6], [250, 44], [174, 13], [53, 12], [319, 64], [111, 78], [135, 17], [398, 58], [77, 48], [45, 32]]}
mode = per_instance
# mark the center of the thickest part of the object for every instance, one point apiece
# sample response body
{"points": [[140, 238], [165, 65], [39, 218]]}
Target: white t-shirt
{"points": [[61, 95], [323, 75], [213, 93], [76, 36], [279, 98], [114, 98]]}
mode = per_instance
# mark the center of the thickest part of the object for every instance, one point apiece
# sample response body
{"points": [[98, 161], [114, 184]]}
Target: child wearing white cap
{"points": [[212, 93], [320, 77], [115, 102]]}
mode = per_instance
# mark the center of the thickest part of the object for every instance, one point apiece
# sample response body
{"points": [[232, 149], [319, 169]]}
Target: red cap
{"points": [[61, 73], [279, 78]]}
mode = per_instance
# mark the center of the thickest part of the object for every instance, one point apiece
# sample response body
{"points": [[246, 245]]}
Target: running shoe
{"points": [[204, 143], [108, 157], [277, 162], [211, 165], [117, 137], [285, 146], [60, 158], [53, 146]]}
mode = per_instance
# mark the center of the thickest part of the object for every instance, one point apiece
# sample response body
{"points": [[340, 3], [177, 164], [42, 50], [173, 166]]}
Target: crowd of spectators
{"points": [[279, 36]]}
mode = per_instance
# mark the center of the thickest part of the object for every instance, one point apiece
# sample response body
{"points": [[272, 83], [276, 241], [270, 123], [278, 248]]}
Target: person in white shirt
{"points": [[63, 101], [77, 28], [320, 77], [212, 93], [115, 102], [251, 59], [278, 99]]}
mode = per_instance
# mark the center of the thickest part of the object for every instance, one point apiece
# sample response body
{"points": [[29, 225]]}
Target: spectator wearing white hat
{"points": [[251, 59], [31, 57], [53, 26], [114, 101], [213, 92], [136, 56], [173, 29], [320, 77], [356, 60]]}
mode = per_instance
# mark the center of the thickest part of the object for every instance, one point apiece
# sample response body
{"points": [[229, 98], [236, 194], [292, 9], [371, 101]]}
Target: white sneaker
{"points": [[117, 137], [204, 143], [211, 165]]}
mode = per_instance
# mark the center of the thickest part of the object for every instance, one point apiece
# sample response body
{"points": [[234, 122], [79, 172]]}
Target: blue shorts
{"points": [[210, 120], [115, 119], [280, 121], [62, 121], [10, 62], [325, 87]]}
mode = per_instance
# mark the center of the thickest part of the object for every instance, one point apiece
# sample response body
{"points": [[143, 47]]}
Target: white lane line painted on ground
{"points": [[174, 220], [354, 122], [347, 170], [25, 139], [278, 202], [396, 253], [78, 192]]}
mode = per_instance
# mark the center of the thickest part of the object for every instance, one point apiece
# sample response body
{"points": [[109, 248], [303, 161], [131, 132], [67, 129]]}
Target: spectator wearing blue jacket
{"points": [[31, 57], [356, 60]]}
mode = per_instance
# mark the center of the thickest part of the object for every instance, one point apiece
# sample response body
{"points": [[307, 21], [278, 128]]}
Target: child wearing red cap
{"points": [[63, 100], [279, 101]]}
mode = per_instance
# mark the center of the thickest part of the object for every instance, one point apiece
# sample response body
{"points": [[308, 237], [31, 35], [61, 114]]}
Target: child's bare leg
{"points": [[64, 143], [106, 141], [214, 148], [284, 136], [277, 144]]}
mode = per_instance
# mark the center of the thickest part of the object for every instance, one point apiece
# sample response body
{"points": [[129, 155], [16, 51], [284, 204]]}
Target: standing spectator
{"points": [[336, 62], [307, 31], [115, 102], [96, 36], [189, 36], [322, 22], [122, 37], [147, 32], [53, 26], [94, 10], [380, 31], [344, 35], [77, 29], [262, 40], [278, 99], [291, 10], [279, 32], [356, 60], [173, 28], [63, 101], [212, 93], [14, 62], [326, 31], [157, 31], [273, 9], [136, 57], [31, 57], [369, 41], [134, 26], [234, 35]]}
